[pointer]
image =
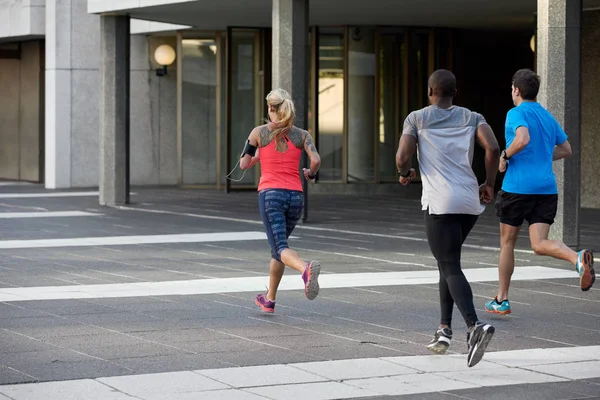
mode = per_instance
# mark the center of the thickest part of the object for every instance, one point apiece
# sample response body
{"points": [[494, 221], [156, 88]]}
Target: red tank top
{"points": [[280, 170]]}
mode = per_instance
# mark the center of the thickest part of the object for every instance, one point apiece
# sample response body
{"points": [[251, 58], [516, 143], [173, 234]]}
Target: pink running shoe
{"points": [[267, 306], [311, 279]]}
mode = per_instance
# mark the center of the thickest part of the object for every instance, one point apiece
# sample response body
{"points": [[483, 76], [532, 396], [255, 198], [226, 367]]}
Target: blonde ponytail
{"points": [[281, 103]]}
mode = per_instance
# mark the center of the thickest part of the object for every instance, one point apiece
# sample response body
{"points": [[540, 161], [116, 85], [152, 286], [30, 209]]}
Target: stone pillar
{"points": [[72, 95], [559, 67], [114, 109], [290, 53], [290, 62]]}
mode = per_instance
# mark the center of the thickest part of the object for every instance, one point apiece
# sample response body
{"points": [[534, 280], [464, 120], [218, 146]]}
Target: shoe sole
{"points": [[498, 312], [265, 309], [312, 287], [589, 274], [481, 345], [437, 349]]}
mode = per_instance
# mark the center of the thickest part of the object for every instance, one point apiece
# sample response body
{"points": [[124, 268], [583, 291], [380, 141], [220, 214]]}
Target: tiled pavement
{"points": [[196, 333]]}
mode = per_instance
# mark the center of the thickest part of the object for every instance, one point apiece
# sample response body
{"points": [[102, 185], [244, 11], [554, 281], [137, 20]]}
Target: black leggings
{"points": [[446, 234]]}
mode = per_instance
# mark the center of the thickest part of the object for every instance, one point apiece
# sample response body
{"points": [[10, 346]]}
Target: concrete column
{"points": [[72, 83], [114, 109], [58, 94], [559, 66], [290, 53], [290, 63]]}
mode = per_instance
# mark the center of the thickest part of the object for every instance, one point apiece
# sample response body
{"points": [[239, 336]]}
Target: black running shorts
{"points": [[513, 209]]}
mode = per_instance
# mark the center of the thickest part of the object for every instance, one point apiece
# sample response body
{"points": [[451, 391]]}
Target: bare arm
{"points": [[487, 140], [519, 143], [247, 161], [406, 149], [313, 154], [562, 151]]}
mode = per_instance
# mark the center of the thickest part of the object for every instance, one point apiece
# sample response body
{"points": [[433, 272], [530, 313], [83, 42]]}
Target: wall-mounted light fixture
{"points": [[532, 43], [164, 55]]}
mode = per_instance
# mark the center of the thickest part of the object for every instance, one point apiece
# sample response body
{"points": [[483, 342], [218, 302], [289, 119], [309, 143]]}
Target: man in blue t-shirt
{"points": [[534, 139]]}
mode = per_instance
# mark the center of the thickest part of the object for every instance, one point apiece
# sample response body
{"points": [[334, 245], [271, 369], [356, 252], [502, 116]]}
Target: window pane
{"points": [[331, 105], [391, 79], [243, 101], [198, 119], [361, 105]]}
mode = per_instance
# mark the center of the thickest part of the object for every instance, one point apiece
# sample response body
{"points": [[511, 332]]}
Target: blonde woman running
{"points": [[278, 147]]}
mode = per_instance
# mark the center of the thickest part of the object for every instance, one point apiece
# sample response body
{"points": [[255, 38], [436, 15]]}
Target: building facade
{"points": [[86, 104]]}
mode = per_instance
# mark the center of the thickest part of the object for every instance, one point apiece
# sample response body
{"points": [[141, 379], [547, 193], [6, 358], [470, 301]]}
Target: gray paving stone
{"points": [[171, 363], [10, 376], [268, 375], [169, 383], [316, 391], [117, 352], [230, 394], [420, 396], [50, 334], [11, 342], [544, 391], [9, 311], [37, 322], [401, 318], [264, 357], [16, 360], [73, 370], [88, 389]]}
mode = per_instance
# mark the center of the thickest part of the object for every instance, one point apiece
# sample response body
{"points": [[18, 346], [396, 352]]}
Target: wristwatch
{"points": [[503, 155], [404, 175]]}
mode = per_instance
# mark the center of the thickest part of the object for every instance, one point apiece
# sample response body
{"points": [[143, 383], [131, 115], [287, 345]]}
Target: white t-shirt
{"points": [[445, 142]]}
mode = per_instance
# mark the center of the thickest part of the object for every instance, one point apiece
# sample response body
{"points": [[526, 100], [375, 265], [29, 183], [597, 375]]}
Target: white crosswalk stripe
{"points": [[133, 240], [251, 284], [47, 214]]}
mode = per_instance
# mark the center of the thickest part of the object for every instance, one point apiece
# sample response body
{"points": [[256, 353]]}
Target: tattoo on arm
{"points": [[264, 137], [296, 136], [308, 143]]}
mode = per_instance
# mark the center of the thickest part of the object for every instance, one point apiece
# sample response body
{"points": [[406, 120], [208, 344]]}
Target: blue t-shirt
{"points": [[530, 171]]}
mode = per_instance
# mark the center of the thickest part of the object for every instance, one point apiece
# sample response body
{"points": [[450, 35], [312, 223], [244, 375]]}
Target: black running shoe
{"points": [[477, 341], [441, 341]]}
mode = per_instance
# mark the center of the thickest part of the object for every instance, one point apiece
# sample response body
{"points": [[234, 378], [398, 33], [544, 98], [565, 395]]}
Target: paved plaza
{"points": [[155, 300]]}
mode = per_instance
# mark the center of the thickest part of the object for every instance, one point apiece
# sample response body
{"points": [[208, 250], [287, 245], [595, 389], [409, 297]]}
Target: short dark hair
{"points": [[528, 83], [443, 83]]}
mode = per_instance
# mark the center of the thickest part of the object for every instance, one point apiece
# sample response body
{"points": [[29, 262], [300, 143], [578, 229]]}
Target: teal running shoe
{"points": [[494, 307]]}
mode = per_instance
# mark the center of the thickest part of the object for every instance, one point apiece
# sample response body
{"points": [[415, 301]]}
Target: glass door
{"points": [[330, 103], [406, 59], [199, 149], [246, 84], [392, 100]]}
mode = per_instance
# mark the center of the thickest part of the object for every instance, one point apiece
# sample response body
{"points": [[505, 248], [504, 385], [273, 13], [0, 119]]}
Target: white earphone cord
{"points": [[236, 180]]}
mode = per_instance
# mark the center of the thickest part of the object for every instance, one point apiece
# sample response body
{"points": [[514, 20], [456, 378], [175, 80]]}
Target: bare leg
{"points": [[506, 264], [290, 258], [276, 273], [538, 234]]}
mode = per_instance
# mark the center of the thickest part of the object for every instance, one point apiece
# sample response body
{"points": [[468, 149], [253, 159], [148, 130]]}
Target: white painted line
{"points": [[361, 377], [252, 284], [48, 214], [132, 240], [50, 194], [312, 228], [46, 194], [16, 183]]}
